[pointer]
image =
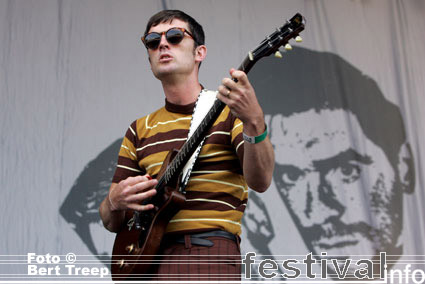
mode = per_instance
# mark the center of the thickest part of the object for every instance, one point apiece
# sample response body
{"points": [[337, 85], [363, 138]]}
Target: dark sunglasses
{"points": [[173, 36]]}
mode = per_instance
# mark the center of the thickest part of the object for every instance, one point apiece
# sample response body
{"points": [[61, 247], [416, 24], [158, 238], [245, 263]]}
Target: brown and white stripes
{"points": [[217, 192]]}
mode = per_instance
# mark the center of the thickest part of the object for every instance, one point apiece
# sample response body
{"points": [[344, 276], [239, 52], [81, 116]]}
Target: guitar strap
{"points": [[203, 104]]}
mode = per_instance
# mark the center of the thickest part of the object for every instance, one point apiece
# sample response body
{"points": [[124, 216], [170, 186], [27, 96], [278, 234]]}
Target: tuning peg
{"points": [[288, 46], [278, 54], [298, 39]]}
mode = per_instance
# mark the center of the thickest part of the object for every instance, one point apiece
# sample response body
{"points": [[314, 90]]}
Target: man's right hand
{"points": [[131, 192], [127, 194]]}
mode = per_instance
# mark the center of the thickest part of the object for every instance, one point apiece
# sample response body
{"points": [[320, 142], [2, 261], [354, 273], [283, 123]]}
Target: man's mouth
{"points": [[335, 242], [165, 58], [336, 234]]}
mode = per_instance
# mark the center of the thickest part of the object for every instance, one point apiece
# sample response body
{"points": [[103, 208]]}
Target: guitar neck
{"points": [[267, 47], [176, 166]]}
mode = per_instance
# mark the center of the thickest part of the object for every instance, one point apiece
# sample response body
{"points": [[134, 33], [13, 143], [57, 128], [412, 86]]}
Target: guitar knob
{"points": [[130, 248], [121, 263], [288, 46], [298, 39], [278, 54]]}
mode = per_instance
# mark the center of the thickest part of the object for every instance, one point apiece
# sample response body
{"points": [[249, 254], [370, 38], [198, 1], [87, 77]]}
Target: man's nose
{"points": [[163, 42], [321, 202]]}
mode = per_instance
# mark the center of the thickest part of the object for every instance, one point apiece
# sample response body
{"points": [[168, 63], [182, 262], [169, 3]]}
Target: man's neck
{"points": [[183, 92]]}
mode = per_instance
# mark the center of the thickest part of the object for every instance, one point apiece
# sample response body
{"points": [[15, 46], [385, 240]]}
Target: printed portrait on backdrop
{"points": [[81, 207], [342, 160], [342, 163]]}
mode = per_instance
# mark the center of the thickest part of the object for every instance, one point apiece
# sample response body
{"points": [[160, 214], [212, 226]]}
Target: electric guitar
{"points": [[139, 240]]}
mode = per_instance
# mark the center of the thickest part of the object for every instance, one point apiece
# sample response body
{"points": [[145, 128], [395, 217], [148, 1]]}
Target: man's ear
{"points": [[200, 53], [406, 168]]}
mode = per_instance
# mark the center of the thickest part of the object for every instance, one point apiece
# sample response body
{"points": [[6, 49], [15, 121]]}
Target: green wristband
{"points": [[255, 139]]}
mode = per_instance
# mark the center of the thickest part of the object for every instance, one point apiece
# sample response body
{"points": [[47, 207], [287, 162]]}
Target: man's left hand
{"points": [[240, 97]]}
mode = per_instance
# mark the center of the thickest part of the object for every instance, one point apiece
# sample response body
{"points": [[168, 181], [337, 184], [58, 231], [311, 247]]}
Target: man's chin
{"points": [[163, 71]]}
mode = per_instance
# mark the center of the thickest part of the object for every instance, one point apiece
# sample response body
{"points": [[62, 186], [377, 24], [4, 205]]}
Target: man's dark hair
{"points": [[168, 15], [308, 79]]}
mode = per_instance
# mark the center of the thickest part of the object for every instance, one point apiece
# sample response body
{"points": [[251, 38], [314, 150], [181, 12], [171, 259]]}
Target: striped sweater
{"points": [[216, 192]]}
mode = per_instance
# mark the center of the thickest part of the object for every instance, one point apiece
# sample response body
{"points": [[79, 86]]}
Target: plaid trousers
{"points": [[183, 262]]}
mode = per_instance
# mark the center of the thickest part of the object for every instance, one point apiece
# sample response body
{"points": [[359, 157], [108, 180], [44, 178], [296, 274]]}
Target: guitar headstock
{"points": [[271, 44]]}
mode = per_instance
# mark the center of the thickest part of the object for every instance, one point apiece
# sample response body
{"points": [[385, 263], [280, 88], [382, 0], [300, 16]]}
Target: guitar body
{"points": [[135, 249], [137, 244]]}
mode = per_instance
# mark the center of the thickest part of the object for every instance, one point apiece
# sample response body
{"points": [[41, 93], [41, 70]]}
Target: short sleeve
{"points": [[237, 138], [127, 164]]}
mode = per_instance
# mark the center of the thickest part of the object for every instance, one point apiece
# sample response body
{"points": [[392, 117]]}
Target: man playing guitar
{"points": [[236, 154]]}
